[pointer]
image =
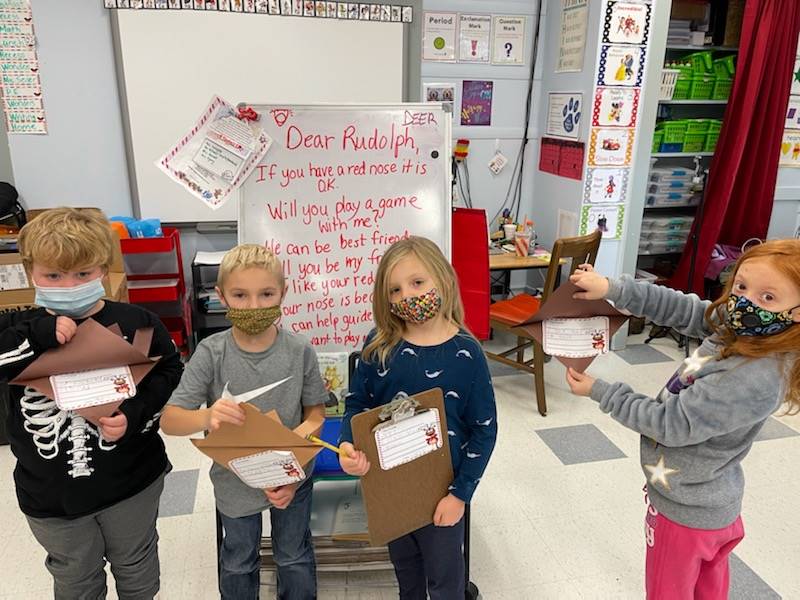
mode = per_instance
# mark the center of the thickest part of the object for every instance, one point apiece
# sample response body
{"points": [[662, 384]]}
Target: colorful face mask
{"points": [[418, 309], [253, 321], [745, 318], [71, 301]]}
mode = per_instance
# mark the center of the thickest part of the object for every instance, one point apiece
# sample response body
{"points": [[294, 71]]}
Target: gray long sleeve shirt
{"points": [[701, 425]]}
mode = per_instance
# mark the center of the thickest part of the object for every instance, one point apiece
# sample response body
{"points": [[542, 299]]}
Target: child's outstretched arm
{"points": [[715, 404], [184, 415], [23, 338], [357, 400], [662, 305], [143, 410]]}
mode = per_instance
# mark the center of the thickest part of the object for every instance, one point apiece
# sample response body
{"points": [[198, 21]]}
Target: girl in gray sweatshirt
{"points": [[701, 425]]}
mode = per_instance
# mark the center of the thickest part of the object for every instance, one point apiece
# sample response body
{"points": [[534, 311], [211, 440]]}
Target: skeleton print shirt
{"points": [[64, 467]]}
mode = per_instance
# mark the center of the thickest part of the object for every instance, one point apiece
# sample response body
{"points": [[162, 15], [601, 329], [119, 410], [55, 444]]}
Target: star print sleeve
{"points": [[154, 390], [714, 405], [662, 305], [357, 399], [481, 418]]}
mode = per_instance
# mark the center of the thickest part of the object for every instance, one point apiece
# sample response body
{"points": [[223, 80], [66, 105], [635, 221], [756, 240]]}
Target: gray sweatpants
{"points": [[124, 534]]}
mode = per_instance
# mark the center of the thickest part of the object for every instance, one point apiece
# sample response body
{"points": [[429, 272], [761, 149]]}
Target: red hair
{"points": [[784, 255]]}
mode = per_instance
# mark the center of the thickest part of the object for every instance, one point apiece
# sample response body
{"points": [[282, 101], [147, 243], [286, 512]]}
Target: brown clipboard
{"points": [[404, 498]]}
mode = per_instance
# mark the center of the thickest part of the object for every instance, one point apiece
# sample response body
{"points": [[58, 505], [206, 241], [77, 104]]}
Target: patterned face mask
{"points": [[418, 309], [745, 318], [253, 321]]}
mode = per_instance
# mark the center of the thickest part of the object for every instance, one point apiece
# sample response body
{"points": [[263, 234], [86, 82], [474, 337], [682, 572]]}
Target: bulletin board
{"points": [[170, 64]]}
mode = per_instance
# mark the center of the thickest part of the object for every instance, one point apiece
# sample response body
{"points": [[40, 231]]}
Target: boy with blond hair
{"points": [[90, 494], [253, 353]]}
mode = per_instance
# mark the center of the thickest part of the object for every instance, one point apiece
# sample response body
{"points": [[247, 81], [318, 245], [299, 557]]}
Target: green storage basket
{"points": [[694, 142], [702, 62], [714, 125], [697, 126], [712, 137], [658, 137], [674, 131], [724, 68], [702, 87], [722, 89]]}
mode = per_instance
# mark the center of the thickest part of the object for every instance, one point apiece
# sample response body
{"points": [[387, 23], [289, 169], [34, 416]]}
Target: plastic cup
{"points": [[522, 242], [509, 229]]}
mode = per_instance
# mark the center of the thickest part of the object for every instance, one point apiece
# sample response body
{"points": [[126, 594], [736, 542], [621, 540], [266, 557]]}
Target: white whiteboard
{"points": [[174, 61], [329, 207]]}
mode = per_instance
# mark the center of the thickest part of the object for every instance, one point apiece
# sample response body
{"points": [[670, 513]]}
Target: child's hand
{"points": [[65, 329], [281, 497], [352, 461], [580, 383], [448, 512], [223, 411], [595, 286], [114, 427]]}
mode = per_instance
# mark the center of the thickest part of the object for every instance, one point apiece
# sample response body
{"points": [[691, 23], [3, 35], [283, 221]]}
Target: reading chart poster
{"points": [[626, 23], [610, 147], [620, 65], [607, 218], [606, 185]]}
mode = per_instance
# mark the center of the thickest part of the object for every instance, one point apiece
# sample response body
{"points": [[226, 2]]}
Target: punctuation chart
{"points": [[337, 187]]}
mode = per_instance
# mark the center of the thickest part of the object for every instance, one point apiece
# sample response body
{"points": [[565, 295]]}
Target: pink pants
{"points": [[685, 563]]}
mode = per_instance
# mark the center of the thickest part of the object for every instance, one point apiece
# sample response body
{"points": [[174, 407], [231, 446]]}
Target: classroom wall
{"points": [[81, 161], [507, 129], [6, 170]]}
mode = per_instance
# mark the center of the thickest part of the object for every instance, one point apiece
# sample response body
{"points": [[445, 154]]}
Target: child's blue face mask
{"points": [[71, 301], [746, 318]]}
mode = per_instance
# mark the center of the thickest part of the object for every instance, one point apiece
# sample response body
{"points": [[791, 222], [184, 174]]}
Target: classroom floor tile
{"points": [[774, 430], [746, 584], [180, 488], [642, 354], [579, 444]]}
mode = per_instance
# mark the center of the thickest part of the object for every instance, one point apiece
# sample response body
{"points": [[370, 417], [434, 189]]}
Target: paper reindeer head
{"points": [[561, 305], [92, 347]]}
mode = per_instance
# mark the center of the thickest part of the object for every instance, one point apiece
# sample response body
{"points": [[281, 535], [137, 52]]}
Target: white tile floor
{"points": [[540, 529]]}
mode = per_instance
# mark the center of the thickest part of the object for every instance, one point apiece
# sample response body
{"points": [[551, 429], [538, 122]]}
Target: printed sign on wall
{"points": [[564, 114], [615, 107], [621, 65], [607, 218], [508, 40], [612, 147], [474, 32], [606, 185], [626, 23], [439, 36]]}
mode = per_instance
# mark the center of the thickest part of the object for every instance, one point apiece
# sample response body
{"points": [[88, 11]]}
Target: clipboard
{"points": [[404, 498]]}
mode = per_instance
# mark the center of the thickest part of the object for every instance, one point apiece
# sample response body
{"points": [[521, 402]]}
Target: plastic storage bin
{"points": [[666, 235], [722, 89], [724, 68], [702, 87], [669, 186], [661, 222], [665, 247], [712, 136], [670, 174], [669, 199], [658, 138], [702, 62], [669, 77]]}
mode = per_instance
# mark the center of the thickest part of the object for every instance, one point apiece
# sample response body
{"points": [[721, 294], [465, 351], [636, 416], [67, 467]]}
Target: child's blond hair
{"points": [[389, 328], [67, 239], [249, 256]]}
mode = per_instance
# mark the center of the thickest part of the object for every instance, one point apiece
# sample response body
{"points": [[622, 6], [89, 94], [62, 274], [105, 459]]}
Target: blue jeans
{"points": [[291, 547]]}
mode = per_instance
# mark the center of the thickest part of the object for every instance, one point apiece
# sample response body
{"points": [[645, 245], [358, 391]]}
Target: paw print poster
{"points": [[626, 23], [564, 115], [615, 107], [621, 65], [610, 147]]}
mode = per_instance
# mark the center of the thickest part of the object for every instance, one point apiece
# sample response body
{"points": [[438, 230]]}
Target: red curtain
{"points": [[741, 184]]}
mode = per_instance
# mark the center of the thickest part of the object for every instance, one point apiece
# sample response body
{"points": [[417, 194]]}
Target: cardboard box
{"points": [[116, 283], [690, 10]]}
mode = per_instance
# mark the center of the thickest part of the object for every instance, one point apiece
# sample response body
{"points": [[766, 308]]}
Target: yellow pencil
{"points": [[324, 444]]}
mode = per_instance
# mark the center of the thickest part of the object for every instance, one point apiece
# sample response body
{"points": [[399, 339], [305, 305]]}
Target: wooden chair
{"points": [[507, 315]]}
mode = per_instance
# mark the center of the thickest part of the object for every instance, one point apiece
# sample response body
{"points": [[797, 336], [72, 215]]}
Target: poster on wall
{"points": [[611, 147], [615, 107], [508, 40], [605, 185], [621, 65], [474, 32], [608, 218], [790, 149], [795, 89], [564, 114], [476, 102], [793, 113], [626, 23], [574, 17], [439, 36], [438, 92]]}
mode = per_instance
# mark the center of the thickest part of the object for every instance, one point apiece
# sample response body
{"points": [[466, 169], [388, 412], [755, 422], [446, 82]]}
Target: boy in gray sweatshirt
{"points": [[701, 425]]}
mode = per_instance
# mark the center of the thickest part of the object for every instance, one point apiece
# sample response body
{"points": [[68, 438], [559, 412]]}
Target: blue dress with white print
{"points": [[457, 366]]}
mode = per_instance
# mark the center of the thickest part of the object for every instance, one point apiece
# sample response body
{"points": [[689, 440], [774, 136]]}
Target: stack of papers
{"points": [[208, 258]]}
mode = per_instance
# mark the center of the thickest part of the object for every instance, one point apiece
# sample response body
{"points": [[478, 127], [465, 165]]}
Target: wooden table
{"points": [[508, 261]]}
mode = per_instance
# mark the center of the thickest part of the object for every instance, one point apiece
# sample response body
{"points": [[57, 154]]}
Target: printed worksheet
{"points": [[74, 391], [409, 439], [269, 469], [576, 338]]}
